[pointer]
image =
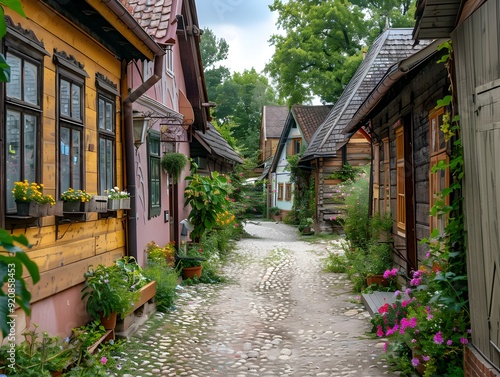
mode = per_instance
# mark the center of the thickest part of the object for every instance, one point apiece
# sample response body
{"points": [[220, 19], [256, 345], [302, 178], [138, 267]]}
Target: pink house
{"points": [[169, 96]]}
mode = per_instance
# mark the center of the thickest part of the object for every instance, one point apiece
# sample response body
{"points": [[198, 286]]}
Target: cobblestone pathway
{"points": [[279, 315]]}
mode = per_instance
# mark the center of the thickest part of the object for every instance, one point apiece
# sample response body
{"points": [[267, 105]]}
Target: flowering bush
{"points": [[72, 195], [160, 254], [25, 192], [116, 193], [426, 320]]}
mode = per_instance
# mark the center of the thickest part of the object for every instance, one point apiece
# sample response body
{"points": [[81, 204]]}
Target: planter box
{"points": [[146, 293], [332, 181], [125, 203], [56, 209], [99, 203], [73, 207], [114, 204]]}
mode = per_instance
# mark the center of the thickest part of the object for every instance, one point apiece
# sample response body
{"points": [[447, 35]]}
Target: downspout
{"points": [[130, 150]]}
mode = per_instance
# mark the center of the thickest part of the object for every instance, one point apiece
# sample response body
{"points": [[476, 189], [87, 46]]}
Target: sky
{"points": [[246, 25]]}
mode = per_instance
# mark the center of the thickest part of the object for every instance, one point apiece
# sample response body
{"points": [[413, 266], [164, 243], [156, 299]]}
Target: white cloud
{"points": [[246, 26]]}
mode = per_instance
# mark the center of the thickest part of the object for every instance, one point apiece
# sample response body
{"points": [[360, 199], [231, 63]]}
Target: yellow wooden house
{"points": [[63, 125]]}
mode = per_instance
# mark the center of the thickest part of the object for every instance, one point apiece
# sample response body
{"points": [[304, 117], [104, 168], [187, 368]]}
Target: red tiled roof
{"points": [[152, 15]]}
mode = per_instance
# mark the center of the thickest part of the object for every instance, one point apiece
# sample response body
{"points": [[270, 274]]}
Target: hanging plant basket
{"points": [[173, 164]]}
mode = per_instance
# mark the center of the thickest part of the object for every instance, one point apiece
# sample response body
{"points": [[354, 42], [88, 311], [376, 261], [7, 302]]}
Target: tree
{"points": [[239, 100], [213, 50], [323, 43]]}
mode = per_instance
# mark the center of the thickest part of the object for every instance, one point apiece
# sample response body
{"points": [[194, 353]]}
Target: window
{"points": [[154, 174], [71, 101], [400, 180], [22, 121], [280, 191], [386, 190], [169, 60], [106, 126], [441, 178], [288, 192], [297, 145]]}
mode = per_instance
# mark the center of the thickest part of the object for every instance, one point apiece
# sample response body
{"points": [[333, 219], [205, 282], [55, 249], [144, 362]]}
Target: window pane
{"points": [[101, 113], [14, 86], [109, 163], [76, 102], [13, 144], [30, 83], [30, 148], [102, 166], [76, 158], [65, 158], [64, 93], [109, 116]]}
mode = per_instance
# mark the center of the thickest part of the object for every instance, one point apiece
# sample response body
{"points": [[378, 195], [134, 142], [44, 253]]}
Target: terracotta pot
{"points": [[378, 280], [191, 272], [108, 323]]}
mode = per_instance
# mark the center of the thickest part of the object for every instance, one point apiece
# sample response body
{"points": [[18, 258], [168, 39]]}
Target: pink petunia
{"points": [[449, 342], [380, 332], [426, 358], [438, 338], [464, 340], [104, 360], [415, 362]]}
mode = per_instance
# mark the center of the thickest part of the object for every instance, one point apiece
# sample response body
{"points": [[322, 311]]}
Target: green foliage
{"points": [[166, 282], [12, 261], [348, 172], [274, 211], [213, 50], [173, 164], [304, 201], [322, 43], [162, 255], [207, 196], [107, 291], [132, 272], [336, 262]]}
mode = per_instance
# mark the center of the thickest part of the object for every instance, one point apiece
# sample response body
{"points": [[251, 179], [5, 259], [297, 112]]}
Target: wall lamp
{"points": [[140, 122]]}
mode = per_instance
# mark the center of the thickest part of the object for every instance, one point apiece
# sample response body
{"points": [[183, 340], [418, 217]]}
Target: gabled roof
{"points": [[273, 120], [307, 118], [153, 16], [217, 145], [390, 47]]}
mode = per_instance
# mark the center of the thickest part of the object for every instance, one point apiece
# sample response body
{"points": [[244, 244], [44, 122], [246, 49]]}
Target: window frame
{"points": [[400, 179], [154, 167], [296, 145], [73, 124], [438, 152], [288, 192], [387, 175], [280, 191], [108, 136], [32, 53]]}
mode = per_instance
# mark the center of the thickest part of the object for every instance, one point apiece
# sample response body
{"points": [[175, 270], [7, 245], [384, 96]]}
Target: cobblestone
{"points": [[279, 315]]}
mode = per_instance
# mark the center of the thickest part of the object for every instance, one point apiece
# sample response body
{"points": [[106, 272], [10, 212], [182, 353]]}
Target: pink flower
{"points": [[438, 338], [415, 282], [104, 360], [385, 346], [464, 340], [449, 342], [380, 332], [415, 361], [426, 358]]}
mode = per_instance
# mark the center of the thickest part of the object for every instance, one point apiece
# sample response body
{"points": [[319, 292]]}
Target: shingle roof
{"points": [[309, 118], [152, 15], [220, 147], [274, 118], [390, 47]]}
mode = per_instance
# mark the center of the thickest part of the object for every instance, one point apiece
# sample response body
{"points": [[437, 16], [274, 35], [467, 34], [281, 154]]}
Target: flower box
{"points": [[73, 206], [114, 204], [98, 203], [56, 209], [125, 203], [38, 210]]}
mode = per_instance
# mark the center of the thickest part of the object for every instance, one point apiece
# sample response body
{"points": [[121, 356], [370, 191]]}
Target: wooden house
{"points": [[212, 152], [65, 124], [300, 125], [169, 97], [272, 123], [407, 141], [473, 28], [330, 149]]}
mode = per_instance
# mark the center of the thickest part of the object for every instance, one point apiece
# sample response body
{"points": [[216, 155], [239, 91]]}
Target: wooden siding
{"points": [[327, 191], [477, 54], [64, 252], [417, 93]]}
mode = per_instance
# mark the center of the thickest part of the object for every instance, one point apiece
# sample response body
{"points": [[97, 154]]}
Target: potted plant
{"points": [[378, 259], [190, 263], [108, 294], [118, 199], [173, 164], [207, 196], [30, 200], [275, 213], [74, 200], [305, 225]]}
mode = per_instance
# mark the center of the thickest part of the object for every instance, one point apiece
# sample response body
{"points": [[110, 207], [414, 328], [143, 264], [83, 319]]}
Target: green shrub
{"points": [[336, 262], [166, 281]]}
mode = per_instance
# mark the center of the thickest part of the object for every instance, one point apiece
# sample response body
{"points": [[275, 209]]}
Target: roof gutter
{"points": [[394, 73], [121, 12]]}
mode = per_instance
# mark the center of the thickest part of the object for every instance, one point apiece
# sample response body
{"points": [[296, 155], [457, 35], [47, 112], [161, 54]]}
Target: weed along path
{"points": [[279, 314]]}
